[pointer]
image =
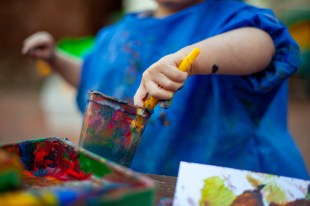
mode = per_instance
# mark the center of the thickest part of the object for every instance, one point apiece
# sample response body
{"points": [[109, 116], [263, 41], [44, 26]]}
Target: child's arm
{"points": [[41, 45], [238, 52]]}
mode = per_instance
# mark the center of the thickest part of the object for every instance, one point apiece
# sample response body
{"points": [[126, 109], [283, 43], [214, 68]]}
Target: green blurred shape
{"points": [[298, 22], [304, 68], [296, 16], [76, 47]]}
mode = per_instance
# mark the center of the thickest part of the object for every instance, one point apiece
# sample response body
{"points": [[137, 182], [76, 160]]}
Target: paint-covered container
{"points": [[57, 173], [112, 128]]}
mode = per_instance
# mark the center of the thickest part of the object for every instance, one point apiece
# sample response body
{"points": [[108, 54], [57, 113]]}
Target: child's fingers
{"points": [[161, 79], [165, 75], [35, 44], [174, 73], [37, 53], [168, 66], [140, 96], [166, 83], [156, 91], [38, 40]]}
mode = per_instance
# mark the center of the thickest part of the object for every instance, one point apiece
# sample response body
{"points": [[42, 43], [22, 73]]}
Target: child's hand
{"points": [[162, 79], [40, 45]]}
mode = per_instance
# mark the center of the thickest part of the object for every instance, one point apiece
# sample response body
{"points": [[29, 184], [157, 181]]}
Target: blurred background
{"points": [[34, 105]]}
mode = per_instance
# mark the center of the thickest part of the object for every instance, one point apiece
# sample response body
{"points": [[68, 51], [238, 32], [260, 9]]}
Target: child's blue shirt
{"points": [[232, 121]]}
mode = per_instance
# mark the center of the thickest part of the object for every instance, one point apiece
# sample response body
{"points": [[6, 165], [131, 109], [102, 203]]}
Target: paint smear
{"points": [[272, 191], [11, 169], [55, 161], [275, 193], [215, 193], [249, 198]]}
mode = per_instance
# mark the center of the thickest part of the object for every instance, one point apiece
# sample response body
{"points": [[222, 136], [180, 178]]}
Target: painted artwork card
{"points": [[206, 185]]}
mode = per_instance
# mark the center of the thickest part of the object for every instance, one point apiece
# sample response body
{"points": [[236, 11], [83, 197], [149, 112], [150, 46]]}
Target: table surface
{"points": [[165, 186]]}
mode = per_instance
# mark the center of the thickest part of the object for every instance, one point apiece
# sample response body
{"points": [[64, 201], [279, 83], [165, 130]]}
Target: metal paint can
{"points": [[112, 128]]}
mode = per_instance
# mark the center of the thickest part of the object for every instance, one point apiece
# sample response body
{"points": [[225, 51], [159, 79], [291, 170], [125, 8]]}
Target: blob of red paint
{"points": [[53, 159]]}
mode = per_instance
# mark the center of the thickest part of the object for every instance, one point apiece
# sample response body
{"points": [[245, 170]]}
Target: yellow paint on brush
{"points": [[138, 124], [151, 102]]}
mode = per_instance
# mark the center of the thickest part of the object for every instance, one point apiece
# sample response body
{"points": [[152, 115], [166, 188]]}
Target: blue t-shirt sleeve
{"points": [[286, 58]]}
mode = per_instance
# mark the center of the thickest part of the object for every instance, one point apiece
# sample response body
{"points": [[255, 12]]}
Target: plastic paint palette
{"points": [[58, 173]]}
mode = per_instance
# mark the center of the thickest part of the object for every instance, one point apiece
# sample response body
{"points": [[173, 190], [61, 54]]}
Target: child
{"points": [[231, 111]]}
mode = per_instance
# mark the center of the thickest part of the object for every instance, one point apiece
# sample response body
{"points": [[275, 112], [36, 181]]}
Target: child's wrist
{"points": [[52, 59]]}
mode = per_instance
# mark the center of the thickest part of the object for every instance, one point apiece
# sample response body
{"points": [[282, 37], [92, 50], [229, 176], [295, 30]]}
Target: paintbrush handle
{"points": [[151, 102], [43, 68]]}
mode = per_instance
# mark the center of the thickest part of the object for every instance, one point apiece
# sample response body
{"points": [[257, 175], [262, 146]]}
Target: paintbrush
{"points": [[151, 102], [43, 68]]}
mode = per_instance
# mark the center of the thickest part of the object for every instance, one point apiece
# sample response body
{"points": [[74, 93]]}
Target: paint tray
{"points": [[58, 173]]}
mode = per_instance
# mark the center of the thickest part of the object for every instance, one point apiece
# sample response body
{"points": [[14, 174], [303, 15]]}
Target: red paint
{"points": [[54, 159]]}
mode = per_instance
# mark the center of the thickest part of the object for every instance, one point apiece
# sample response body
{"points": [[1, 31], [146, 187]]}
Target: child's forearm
{"points": [[68, 67], [238, 52]]}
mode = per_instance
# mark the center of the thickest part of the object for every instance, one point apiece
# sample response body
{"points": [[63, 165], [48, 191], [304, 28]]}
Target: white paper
{"points": [[191, 181]]}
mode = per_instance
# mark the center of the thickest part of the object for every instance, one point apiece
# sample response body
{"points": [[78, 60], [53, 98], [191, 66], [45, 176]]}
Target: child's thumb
{"points": [[140, 96]]}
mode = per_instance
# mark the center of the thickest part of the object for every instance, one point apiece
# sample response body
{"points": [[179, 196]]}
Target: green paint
{"points": [[91, 165], [9, 180], [215, 193]]}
